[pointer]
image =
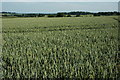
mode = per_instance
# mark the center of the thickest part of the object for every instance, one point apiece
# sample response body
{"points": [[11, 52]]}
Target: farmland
{"points": [[69, 47]]}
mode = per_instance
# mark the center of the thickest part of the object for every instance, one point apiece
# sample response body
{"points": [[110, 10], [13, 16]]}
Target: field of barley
{"points": [[68, 47]]}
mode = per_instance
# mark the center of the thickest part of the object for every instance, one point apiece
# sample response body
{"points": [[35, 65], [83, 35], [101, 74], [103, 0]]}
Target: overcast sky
{"points": [[53, 7], [60, 0]]}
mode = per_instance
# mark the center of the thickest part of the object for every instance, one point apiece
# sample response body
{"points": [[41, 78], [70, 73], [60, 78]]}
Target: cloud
{"points": [[60, 0]]}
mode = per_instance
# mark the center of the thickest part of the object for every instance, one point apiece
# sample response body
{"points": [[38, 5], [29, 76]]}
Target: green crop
{"points": [[81, 47]]}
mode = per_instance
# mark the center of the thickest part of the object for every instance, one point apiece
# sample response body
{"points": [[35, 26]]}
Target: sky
{"points": [[53, 7], [60, 0]]}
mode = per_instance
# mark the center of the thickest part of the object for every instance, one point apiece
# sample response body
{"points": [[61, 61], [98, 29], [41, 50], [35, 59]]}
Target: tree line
{"points": [[59, 14]]}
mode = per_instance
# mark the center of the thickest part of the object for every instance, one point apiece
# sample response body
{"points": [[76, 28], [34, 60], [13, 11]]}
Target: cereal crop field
{"points": [[68, 47]]}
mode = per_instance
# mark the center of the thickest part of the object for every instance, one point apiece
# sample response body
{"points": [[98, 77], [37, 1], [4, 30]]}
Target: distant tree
{"points": [[18, 15], [68, 15], [30, 15], [60, 15], [96, 14], [41, 15], [77, 15], [5, 15], [50, 15], [23, 15]]}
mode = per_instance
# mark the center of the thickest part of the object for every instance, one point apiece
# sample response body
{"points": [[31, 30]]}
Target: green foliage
{"points": [[68, 15], [41, 15], [60, 15], [59, 47], [77, 15], [51, 15]]}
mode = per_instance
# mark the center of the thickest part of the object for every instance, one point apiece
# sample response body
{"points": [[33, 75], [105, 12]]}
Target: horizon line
{"points": [[60, 11]]}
